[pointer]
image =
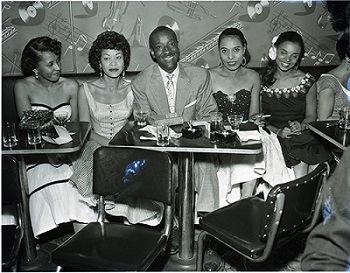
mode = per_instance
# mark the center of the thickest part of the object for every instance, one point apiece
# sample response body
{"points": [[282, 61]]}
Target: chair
{"points": [[12, 234], [102, 245], [253, 227]]}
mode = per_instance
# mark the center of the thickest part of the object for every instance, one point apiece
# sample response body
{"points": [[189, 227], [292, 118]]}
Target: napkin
{"points": [[152, 130], [63, 136], [248, 135]]}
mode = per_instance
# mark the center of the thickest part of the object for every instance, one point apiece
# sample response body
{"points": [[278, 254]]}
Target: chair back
{"points": [[11, 197], [291, 206], [10, 183], [134, 172]]}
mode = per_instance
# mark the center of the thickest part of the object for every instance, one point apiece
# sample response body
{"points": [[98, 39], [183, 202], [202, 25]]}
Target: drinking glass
{"points": [[60, 117], [216, 125], [34, 135], [141, 113], [235, 121], [9, 138], [162, 134]]}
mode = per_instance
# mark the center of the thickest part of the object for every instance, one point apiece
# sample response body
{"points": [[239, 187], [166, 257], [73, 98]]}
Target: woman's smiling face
{"points": [[49, 66], [287, 55]]}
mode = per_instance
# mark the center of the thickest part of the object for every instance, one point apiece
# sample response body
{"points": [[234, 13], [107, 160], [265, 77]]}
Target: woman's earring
{"points": [[101, 72], [244, 61], [123, 75], [36, 74]]}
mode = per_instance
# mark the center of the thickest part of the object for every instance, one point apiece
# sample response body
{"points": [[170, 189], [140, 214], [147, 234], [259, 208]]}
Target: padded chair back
{"points": [[291, 206], [10, 184], [127, 171], [11, 196]]}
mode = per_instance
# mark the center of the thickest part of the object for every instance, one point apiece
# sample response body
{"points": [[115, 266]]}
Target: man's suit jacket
{"points": [[194, 99]]}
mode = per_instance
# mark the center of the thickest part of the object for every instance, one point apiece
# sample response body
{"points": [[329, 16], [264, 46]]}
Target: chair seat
{"points": [[241, 232], [110, 246], [11, 238]]}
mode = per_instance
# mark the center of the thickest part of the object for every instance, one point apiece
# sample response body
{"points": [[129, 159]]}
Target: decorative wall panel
{"points": [[197, 24]]}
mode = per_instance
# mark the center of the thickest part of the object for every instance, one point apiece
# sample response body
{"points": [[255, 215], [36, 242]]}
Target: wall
{"points": [[197, 24]]}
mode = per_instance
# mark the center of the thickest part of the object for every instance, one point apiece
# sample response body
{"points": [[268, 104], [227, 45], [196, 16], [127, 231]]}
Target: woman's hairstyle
{"points": [[343, 46], [108, 40], [33, 50], [289, 36], [339, 14], [236, 32]]}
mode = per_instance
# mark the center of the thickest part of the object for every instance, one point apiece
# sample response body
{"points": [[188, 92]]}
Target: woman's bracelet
{"points": [[278, 131]]}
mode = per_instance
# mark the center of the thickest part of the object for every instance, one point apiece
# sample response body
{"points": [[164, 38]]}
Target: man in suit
{"points": [[189, 98]]}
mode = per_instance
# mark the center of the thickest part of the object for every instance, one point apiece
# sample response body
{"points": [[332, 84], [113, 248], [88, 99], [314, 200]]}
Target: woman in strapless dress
{"points": [[53, 199]]}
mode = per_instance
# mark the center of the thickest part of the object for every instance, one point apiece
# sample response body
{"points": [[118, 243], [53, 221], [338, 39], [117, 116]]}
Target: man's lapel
{"points": [[183, 90], [157, 91]]}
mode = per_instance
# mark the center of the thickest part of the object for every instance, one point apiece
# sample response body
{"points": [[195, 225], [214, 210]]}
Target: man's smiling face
{"points": [[165, 50]]}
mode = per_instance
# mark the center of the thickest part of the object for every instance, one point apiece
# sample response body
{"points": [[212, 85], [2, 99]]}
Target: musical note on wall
{"points": [[324, 55], [79, 48]]}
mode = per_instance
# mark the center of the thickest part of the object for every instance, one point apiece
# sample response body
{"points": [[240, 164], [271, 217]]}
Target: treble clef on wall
{"points": [[113, 20]]}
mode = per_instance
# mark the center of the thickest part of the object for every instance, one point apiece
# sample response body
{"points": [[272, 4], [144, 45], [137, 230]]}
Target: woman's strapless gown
{"points": [[235, 169], [290, 104], [53, 199]]}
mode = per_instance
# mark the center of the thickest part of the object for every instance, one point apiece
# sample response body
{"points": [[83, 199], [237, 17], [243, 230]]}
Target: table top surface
{"points": [[79, 130], [330, 131], [129, 135]]}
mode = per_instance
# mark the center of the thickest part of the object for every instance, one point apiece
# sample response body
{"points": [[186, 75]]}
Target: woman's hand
{"points": [[295, 127], [258, 119], [284, 132]]}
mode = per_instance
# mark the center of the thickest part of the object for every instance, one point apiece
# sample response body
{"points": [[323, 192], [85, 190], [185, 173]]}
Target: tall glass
{"points": [[9, 138], [216, 125]]}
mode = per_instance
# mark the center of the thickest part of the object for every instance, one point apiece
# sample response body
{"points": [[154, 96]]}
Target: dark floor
{"points": [[286, 258]]}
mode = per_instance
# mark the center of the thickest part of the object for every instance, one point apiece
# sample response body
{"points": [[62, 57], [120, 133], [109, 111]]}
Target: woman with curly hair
{"points": [[107, 101], [107, 104], [289, 96], [53, 199]]}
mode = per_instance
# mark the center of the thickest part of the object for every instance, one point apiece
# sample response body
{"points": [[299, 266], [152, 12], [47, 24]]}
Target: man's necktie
{"points": [[170, 91]]}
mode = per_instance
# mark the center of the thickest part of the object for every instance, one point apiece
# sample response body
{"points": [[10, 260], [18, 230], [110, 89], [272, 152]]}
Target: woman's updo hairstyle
{"points": [[33, 50]]}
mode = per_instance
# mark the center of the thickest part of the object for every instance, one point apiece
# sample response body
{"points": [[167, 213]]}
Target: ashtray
{"points": [[192, 132], [226, 136]]}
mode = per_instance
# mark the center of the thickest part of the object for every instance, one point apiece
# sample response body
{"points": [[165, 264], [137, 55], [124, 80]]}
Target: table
{"points": [[81, 131], [330, 131], [130, 136]]}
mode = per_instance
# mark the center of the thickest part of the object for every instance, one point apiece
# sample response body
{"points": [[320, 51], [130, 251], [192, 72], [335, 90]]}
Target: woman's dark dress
{"points": [[289, 104], [238, 106]]}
